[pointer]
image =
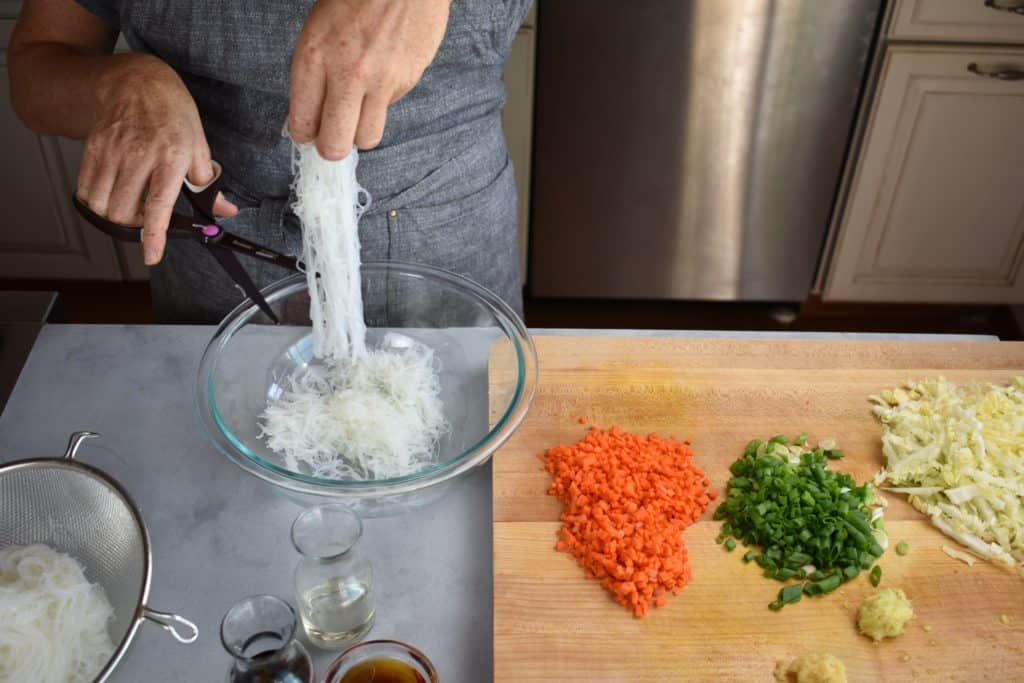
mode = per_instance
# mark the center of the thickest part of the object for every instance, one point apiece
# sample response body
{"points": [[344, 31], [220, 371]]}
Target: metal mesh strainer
{"points": [[79, 510]]}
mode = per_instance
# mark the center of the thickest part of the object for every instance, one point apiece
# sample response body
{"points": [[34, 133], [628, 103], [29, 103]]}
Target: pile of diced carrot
{"points": [[626, 500]]}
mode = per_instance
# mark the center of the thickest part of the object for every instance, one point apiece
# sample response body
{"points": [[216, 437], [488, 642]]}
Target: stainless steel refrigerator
{"points": [[691, 149]]}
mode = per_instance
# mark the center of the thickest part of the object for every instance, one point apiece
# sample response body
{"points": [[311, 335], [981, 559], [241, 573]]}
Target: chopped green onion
{"points": [[829, 583], [730, 545], [798, 512], [902, 548], [791, 594], [875, 577], [798, 559]]}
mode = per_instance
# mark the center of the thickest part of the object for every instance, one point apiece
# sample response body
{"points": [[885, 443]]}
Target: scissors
{"points": [[203, 228]]}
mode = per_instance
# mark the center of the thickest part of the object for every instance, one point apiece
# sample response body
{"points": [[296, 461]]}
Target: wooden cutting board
{"points": [[551, 624]]}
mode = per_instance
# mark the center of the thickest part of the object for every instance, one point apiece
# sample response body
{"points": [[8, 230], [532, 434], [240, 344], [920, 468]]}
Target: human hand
{"points": [[147, 139], [353, 59]]}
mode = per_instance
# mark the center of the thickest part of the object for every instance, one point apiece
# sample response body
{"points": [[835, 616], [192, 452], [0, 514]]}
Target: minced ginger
{"points": [[884, 614], [812, 668]]}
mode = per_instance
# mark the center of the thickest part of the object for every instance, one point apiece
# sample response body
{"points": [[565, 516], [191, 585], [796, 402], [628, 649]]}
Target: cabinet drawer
{"points": [[967, 21], [935, 211]]}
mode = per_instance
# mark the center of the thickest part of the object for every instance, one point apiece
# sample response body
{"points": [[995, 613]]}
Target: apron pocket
{"points": [[474, 237], [471, 221]]}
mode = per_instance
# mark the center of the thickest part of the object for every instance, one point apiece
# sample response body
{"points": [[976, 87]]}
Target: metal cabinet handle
{"points": [[1016, 9], [1003, 75]]}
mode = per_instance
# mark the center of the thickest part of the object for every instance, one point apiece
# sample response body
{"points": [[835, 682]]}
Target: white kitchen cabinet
{"points": [[41, 236], [936, 207], [967, 21]]}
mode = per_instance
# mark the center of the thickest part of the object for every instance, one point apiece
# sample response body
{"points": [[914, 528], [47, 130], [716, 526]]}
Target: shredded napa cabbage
{"points": [[958, 452], [966, 558]]}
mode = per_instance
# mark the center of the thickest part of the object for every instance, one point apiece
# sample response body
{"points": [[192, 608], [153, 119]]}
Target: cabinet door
{"points": [[936, 207], [966, 21], [41, 236]]}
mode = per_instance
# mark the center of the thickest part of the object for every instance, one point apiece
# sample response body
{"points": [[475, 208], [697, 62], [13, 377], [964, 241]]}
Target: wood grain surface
{"points": [[551, 624]]}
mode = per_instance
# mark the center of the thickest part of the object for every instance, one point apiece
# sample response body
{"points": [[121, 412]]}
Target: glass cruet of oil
{"points": [[333, 580], [259, 632]]}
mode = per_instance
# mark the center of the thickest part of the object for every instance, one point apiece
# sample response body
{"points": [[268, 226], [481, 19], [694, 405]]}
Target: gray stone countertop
{"points": [[22, 315], [220, 534]]}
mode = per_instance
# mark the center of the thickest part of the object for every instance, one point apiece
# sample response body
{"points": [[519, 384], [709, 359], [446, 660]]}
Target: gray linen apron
{"points": [[441, 179]]}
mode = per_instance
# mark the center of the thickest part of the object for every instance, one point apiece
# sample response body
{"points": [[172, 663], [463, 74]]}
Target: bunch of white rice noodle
{"points": [[361, 414]]}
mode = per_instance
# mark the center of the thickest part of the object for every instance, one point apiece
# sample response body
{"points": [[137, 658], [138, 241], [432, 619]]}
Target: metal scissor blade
{"points": [[229, 262]]}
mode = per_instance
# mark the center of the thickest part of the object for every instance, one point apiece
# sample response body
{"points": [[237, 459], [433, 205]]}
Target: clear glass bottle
{"points": [[259, 632], [333, 581]]}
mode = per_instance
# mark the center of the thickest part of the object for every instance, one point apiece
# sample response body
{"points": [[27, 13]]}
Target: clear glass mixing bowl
{"points": [[469, 329]]}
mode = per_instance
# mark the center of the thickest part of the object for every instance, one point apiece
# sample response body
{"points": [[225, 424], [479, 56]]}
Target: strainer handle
{"points": [[167, 622], [75, 441]]}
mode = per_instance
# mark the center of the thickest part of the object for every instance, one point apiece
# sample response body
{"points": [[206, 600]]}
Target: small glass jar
{"points": [[259, 632], [361, 662], [333, 581]]}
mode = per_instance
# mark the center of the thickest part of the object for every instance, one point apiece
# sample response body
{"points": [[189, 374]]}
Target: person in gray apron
{"points": [[440, 178]]}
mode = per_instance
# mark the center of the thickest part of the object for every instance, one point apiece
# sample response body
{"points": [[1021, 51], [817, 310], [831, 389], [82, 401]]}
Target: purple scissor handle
{"points": [[203, 228]]}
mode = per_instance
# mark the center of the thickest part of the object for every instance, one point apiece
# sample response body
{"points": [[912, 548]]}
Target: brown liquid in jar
{"points": [[382, 670]]}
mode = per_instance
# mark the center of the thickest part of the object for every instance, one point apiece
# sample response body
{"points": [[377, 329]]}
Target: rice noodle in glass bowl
{"points": [[249, 360]]}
